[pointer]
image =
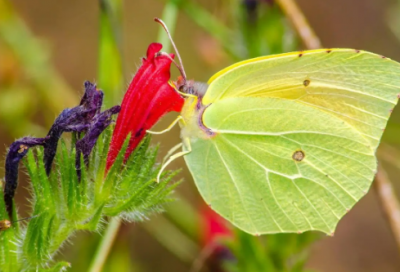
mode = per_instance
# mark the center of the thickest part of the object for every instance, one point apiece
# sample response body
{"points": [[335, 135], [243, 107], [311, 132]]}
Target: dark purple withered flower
{"points": [[87, 117], [85, 145], [93, 97], [16, 152], [55, 132], [77, 119]]}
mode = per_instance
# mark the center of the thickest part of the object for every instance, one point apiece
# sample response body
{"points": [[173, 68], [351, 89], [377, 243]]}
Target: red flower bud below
{"points": [[213, 229], [148, 98], [213, 226]]}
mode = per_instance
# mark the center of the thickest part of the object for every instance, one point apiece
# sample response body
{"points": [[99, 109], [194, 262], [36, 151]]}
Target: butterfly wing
{"points": [[249, 172], [295, 137], [359, 87]]}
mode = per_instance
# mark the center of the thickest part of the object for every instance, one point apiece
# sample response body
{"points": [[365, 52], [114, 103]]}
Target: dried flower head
{"points": [[85, 145], [87, 117], [77, 119]]}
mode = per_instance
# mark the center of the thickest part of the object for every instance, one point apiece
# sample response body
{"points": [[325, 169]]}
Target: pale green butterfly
{"points": [[286, 143]]}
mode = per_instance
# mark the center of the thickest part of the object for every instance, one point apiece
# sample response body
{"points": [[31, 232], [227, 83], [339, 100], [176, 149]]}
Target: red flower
{"points": [[213, 229], [213, 226], [147, 99]]}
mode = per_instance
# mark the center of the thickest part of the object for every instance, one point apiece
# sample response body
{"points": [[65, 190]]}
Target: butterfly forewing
{"points": [[358, 87]]}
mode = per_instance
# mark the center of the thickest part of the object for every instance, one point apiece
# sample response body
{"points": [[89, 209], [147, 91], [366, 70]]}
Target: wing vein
{"points": [[236, 187], [267, 173]]}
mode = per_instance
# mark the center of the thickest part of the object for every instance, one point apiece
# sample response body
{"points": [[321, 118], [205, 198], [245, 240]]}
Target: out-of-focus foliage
{"points": [[110, 72], [275, 253], [28, 83], [257, 27]]}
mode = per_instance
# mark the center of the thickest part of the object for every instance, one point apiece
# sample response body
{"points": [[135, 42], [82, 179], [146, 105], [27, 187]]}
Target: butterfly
{"points": [[286, 143]]}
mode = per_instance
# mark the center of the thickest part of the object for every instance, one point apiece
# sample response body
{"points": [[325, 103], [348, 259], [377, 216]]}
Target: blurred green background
{"points": [[49, 48]]}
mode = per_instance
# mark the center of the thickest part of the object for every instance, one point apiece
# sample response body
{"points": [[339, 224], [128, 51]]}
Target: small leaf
{"points": [[113, 172], [93, 224]]}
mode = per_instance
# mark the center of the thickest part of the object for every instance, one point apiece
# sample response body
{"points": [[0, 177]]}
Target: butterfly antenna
{"points": [[180, 67], [174, 62]]}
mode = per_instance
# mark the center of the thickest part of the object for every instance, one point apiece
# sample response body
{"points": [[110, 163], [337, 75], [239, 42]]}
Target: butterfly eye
{"points": [[306, 82], [298, 155]]}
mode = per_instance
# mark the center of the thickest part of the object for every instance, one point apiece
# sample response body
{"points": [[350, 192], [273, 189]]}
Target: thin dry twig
{"points": [[389, 202], [300, 23], [205, 253]]}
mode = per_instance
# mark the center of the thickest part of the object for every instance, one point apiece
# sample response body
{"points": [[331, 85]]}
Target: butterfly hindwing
{"points": [[250, 173]]}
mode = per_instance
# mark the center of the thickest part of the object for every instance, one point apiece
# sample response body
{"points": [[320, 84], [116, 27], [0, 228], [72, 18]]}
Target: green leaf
{"points": [[211, 25], [111, 180]]}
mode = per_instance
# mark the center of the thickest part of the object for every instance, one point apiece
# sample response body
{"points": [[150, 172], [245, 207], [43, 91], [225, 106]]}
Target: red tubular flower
{"points": [[147, 99], [213, 226]]}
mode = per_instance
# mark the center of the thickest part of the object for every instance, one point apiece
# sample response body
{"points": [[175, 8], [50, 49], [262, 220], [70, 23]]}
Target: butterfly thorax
{"points": [[192, 113]]}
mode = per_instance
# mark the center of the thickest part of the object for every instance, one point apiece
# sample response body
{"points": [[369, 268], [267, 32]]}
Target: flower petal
{"points": [[148, 98]]}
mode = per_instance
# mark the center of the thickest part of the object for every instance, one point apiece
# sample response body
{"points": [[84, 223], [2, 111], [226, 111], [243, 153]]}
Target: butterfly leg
{"points": [[179, 118], [186, 142], [171, 151]]}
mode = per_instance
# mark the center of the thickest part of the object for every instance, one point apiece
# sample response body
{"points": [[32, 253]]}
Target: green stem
{"points": [[105, 246], [110, 68]]}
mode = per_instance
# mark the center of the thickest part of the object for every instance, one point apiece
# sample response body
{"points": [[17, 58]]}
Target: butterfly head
{"points": [[193, 93], [191, 87]]}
